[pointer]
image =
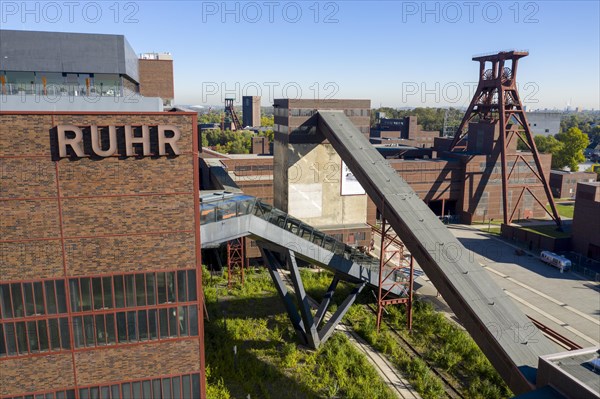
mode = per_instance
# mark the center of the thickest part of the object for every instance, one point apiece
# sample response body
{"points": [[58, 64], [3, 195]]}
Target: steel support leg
{"points": [[303, 304], [328, 329], [326, 301], [272, 266]]}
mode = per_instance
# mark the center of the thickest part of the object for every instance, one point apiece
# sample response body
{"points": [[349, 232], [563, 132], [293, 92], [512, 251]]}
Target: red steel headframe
{"points": [[497, 99]]}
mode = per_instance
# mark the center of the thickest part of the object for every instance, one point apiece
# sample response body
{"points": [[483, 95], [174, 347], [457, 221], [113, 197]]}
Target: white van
{"points": [[555, 260]]}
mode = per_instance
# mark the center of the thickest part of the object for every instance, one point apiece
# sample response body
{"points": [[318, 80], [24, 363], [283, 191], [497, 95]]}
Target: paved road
{"points": [[564, 302]]}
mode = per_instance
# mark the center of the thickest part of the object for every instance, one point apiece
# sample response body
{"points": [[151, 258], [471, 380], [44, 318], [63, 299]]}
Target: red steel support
{"points": [[496, 99], [388, 271], [236, 260]]}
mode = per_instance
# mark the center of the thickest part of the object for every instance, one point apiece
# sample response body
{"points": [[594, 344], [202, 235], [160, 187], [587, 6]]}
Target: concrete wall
{"points": [[307, 172], [315, 187]]}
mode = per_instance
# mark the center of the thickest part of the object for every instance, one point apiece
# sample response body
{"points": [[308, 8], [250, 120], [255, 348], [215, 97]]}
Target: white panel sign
{"points": [[350, 186]]}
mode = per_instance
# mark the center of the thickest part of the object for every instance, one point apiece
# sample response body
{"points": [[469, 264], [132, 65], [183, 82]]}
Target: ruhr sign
{"points": [[106, 141]]}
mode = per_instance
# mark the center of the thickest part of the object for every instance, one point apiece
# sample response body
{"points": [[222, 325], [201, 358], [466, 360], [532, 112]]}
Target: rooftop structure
{"points": [[54, 71]]}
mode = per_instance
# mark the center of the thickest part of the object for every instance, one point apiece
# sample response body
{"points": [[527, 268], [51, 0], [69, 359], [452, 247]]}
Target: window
{"points": [[32, 299], [135, 326], [19, 334], [23, 337], [174, 387], [70, 394], [141, 289]]}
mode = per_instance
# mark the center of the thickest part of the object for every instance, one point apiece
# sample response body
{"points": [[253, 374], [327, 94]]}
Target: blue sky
{"points": [[396, 53]]}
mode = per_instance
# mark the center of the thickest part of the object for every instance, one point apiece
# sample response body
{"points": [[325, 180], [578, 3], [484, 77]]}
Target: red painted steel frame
{"points": [[382, 301], [497, 99]]}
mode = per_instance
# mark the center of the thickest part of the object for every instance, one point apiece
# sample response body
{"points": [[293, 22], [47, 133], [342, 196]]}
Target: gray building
{"points": [[70, 72], [545, 123]]}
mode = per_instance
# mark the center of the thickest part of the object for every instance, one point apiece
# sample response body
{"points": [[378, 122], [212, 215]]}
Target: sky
{"points": [[395, 53]]}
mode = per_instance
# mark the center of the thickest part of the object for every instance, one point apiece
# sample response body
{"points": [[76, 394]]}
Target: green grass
{"points": [[564, 210], [548, 230], [442, 343], [493, 230], [269, 363]]}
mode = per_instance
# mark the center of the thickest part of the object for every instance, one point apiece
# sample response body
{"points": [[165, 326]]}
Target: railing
{"points": [[55, 90], [212, 212]]}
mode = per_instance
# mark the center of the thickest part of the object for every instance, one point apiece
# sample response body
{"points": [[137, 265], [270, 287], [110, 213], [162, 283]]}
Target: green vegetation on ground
{"points": [[564, 210], [548, 230], [269, 363], [443, 344]]}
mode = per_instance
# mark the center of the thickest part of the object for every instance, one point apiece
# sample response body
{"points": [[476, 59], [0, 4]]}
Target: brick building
{"points": [[100, 283], [156, 76], [564, 184], [404, 131], [586, 220]]}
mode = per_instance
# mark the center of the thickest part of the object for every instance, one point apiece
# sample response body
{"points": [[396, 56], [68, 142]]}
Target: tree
{"points": [[547, 145], [267, 120], [574, 141], [594, 135]]}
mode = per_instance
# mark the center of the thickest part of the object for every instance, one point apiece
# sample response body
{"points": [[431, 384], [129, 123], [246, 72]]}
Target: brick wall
{"points": [[156, 78], [94, 216]]}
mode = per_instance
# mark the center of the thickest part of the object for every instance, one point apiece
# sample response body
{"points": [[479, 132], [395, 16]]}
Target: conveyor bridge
{"points": [[285, 239]]}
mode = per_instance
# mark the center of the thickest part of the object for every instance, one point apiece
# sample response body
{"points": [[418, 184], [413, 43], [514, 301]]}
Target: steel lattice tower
{"points": [[496, 99]]}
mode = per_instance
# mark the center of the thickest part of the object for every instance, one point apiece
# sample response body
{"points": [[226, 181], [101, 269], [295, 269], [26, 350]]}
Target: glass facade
{"points": [[65, 84]]}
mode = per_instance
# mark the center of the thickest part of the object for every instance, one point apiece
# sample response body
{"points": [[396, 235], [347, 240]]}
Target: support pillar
{"points": [[388, 271], [299, 311]]}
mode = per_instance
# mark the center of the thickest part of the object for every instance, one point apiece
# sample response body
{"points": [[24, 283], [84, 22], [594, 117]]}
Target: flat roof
{"points": [[582, 366]]}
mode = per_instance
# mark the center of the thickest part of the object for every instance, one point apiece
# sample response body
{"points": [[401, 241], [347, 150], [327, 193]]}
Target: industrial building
{"points": [[100, 284], [103, 226], [80, 72], [564, 183], [586, 220], [251, 111], [405, 131], [156, 76], [544, 123]]}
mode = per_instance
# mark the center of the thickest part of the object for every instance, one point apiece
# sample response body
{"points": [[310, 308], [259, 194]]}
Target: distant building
{"points": [[563, 184], [404, 131], [156, 76], [251, 111], [545, 123], [586, 220], [54, 71], [261, 146]]}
